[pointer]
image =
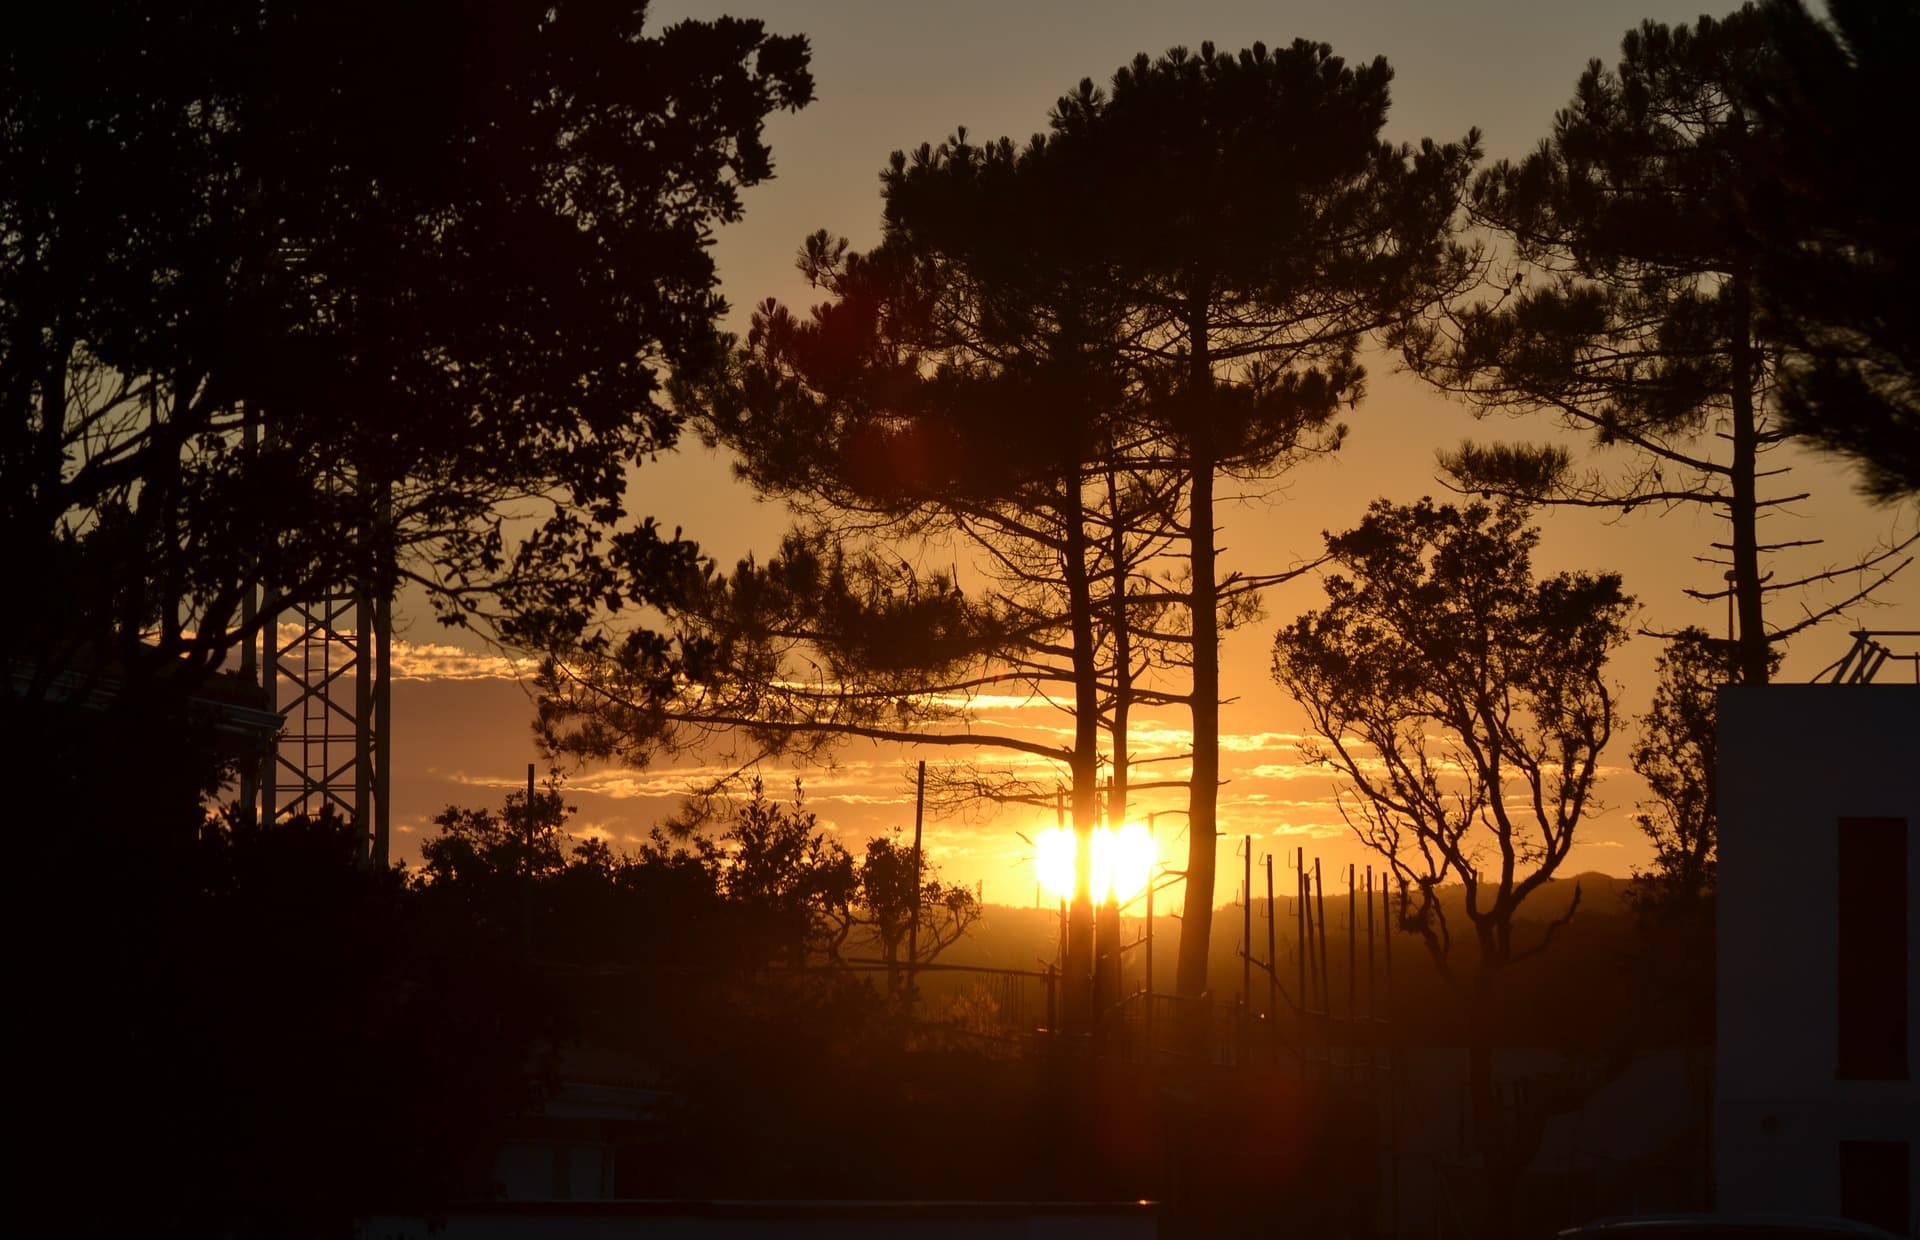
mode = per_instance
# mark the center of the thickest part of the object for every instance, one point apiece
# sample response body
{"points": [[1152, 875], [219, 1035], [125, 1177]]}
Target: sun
{"points": [[1122, 862]]}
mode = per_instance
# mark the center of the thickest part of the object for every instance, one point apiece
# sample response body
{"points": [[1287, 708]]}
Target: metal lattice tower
{"points": [[325, 666], [328, 673]]}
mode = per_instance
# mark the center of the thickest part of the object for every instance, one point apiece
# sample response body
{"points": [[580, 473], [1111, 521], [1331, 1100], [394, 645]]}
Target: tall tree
{"points": [[957, 384], [1837, 255], [1463, 703], [1169, 285], [1630, 310], [1258, 228], [437, 255]]}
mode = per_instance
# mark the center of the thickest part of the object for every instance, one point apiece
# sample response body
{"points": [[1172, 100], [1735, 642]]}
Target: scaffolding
{"points": [[324, 664], [329, 675]]}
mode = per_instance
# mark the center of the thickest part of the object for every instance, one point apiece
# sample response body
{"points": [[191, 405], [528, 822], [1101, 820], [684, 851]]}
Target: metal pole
{"points": [[1393, 1078], [1326, 982], [1300, 921], [1353, 1007], [1147, 1016], [249, 614], [1246, 928], [1307, 948], [1273, 959], [363, 715], [527, 861], [913, 927], [380, 749], [1373, 1010]]}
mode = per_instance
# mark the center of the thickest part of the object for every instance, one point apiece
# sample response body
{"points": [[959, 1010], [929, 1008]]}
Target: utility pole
{"points": [[1246, 924], [913, 927], [1273, 958]]}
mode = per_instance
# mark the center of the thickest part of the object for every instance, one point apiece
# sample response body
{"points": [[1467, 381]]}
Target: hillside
{"points": [[1577, 991]]}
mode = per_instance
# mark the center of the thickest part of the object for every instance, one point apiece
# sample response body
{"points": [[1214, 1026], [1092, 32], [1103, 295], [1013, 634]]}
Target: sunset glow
{"points": [[1122, 862]]}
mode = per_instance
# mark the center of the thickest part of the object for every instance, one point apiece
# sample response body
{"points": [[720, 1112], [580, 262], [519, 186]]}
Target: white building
{"points": [[1816, 1108]]}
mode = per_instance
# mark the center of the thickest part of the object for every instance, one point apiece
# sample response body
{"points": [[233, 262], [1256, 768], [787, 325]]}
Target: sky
{"points": [[894, 75]]}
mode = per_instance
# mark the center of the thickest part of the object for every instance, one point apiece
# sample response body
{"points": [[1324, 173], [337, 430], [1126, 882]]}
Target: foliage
{"points": [[1629, 309], [785, 656], [774, 888], [904, 904], [1170, 282], [785, 878], [1676, 756], [523, 840], [1837, 256], [1464, 705], [436, 257], [1256, 227]]}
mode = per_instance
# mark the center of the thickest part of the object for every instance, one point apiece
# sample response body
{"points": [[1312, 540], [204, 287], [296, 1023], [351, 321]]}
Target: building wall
{"points": [[1794, 761]]}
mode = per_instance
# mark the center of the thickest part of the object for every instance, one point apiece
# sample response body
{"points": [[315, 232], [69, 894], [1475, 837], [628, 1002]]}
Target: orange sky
{"points": [[894, 75]]}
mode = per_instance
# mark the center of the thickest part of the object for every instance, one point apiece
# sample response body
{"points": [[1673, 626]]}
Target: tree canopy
{"points": [[1260, 227], [318, 293], [1630, 308], [1836, 250], [1057, 347], [1463, 704]]}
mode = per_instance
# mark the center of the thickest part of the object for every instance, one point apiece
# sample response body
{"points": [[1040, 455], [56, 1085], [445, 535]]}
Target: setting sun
{"points": [[1122, 862]]}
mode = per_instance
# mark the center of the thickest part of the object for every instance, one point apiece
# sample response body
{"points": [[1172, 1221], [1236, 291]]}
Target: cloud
{"points": [[1260, 742], [428, 660], [1275, 771], [437, 661]]}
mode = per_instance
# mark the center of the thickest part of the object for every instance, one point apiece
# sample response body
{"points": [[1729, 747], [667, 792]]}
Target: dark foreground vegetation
{"points": [[248, 1031]]}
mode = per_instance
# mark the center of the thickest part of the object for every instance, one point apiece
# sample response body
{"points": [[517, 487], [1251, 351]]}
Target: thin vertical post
{"points": [[1326, 981], [362, 714], [1152, 879], [380, 721], [381, 749], [1300, 921], [1352, 943], [1353, 964], [1386, 944], [1393, 1065], [1246, 927], [527, 859], [913, 927], [1273, 958], [1307, 944], [1320, 925], [249, 614], [1373, 1009]]}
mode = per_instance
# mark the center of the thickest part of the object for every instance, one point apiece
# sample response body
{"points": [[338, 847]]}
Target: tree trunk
{"points": [[1085, 763], [1743, 512], [1196, 926]]}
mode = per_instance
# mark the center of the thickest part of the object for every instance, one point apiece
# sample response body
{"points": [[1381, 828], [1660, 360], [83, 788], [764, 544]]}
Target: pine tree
{"points": [[1838, 255], [1630, 309]]}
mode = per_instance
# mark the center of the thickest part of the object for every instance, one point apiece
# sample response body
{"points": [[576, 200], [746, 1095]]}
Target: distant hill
{"points": [[1574, 991]]}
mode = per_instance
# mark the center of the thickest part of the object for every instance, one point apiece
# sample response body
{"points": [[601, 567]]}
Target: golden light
{"points": [[1053, 861], [1122, 862]]}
